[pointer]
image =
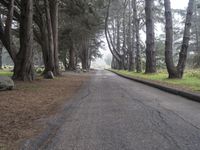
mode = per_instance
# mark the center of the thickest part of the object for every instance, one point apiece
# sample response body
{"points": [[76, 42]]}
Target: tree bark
{"points": [[150, 38], [50, 63], [23, 69], [5, 32], [113, 50], [54, 20], [169, 40], [71, 58], [176, 71], [1, 50], [130, 43], [85, 56], [138, 53], [46, 36], [136, 22], [186, 39]]}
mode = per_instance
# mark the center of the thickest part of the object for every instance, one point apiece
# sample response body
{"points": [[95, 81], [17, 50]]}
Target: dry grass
{"points": [[20, 108]]}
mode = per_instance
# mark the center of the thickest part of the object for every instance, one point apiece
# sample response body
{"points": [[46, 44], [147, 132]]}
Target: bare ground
{"points": [[21, 108]]}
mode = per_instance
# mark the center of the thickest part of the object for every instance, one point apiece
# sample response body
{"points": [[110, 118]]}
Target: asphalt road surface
{"points": [[113, 113]]}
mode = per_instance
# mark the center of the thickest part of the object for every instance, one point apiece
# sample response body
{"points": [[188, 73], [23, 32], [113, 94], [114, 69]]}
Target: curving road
{"points": [[113, 113]]}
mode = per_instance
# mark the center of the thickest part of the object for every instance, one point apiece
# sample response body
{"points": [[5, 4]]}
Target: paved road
{"points": [[113, 113]]}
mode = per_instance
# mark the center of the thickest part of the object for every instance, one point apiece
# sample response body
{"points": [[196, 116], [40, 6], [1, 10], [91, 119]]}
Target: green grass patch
{"points": [[6, 73], [190, 81]]}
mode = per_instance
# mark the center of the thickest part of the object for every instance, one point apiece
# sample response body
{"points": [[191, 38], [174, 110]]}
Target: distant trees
{"points": [[26, 23], [28, 17], [145, 17], [80, 32], [118, 31], [70, 32]]}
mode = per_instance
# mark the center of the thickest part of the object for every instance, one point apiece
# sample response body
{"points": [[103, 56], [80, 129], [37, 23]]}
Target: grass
{"points": [[190, 81], [5, 73]]}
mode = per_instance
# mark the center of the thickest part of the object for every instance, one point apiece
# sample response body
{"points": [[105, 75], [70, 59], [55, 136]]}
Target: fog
{"points": [[100, 62]]}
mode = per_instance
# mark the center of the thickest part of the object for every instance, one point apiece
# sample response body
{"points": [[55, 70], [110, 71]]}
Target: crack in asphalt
{"points": [[159, 118], [112, 113]]}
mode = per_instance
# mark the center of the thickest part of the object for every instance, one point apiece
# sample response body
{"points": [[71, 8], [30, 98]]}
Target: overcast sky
{"points": [[179, 3]]}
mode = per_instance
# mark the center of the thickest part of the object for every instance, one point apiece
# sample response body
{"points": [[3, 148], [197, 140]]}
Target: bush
{"points": [[39, 70]]}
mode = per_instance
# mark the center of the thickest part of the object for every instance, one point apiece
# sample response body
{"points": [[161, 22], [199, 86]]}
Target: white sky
{"points": [[179, 4], [176, 4]]}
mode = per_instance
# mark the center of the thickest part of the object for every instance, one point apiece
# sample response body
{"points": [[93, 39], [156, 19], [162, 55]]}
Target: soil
{"points": [[28, 102]]}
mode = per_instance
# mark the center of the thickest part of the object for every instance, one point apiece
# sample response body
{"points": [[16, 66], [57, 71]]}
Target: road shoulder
{"points": [[167, 88]]}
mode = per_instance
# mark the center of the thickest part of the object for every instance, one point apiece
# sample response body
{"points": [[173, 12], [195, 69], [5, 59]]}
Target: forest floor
{"points": [[190, 81], [21, 108]]}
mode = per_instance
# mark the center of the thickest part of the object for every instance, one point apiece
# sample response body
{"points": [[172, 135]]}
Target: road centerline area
{"points": [[119, 114]]}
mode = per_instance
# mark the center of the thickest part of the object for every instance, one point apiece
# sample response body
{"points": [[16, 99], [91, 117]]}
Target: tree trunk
{"points": [[5, 32], [1, 50], [169, 41], [138, 53], [197, 29], [113, 50], [186, 39], [130, 44], [71, 58], [150, 38], [176, 72], [51, 59], [84, 59], [136, 22], [23, 69], [65, 64], [124, 38], [54, 20], [48, 26]]}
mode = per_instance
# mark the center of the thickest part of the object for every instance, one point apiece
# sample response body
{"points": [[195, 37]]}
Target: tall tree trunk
{"points": [[65, 64], [186, 39], [138, 53], [1, 50], [84, 59], [23, 69], [169, 41], [119, 64], [197, 28], [150, 38], [177, 72], [137, 36], [48, 30], [124, 64], [5, 32], [54, 20], [51, 58], [130, 43], [115, 51], [71, 58]]}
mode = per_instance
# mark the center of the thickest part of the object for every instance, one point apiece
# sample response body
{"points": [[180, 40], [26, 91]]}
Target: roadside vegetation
{"points": [[190, 80], [5, 73], [174, 47]]}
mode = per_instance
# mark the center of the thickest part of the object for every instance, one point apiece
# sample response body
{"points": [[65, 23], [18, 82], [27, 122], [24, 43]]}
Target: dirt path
{"points": [[22, 109]]}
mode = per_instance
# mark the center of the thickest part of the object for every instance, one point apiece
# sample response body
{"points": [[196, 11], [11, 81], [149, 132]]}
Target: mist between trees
{"points": [[173, 48], [61, 34]]}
